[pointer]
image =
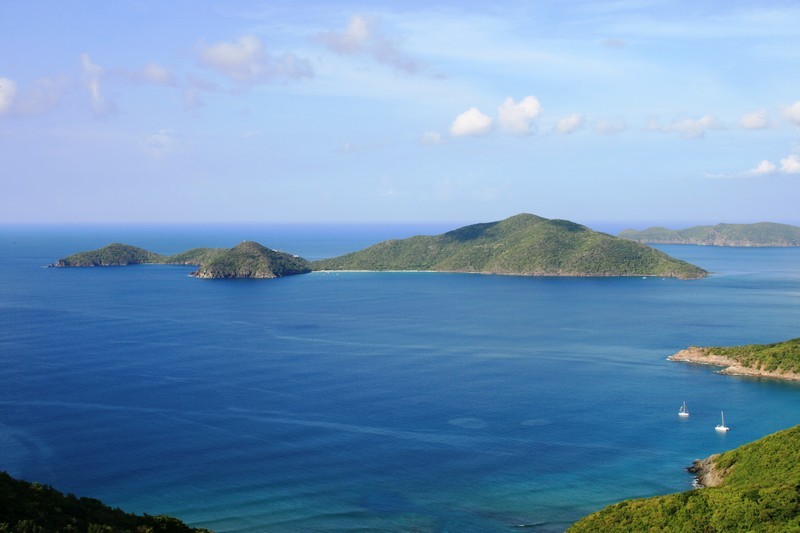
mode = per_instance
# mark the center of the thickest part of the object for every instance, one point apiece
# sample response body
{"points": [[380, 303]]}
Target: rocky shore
{"points": [[703, 356], [706, 474]]}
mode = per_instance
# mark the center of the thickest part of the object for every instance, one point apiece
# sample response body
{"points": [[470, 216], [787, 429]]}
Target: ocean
{"points": [[372, 401]]}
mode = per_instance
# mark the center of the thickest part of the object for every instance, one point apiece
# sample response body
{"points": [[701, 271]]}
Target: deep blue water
{"points": [[386, 401]]}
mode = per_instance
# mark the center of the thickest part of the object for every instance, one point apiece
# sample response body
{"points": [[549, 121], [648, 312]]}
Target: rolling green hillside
{"points": [[35, 508], [759, 491], [523, 245], [760, 234], [251, 260], [114, 254]]}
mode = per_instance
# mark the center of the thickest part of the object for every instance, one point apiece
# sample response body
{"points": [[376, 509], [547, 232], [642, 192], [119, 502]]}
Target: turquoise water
{"points": [[396, 401]]}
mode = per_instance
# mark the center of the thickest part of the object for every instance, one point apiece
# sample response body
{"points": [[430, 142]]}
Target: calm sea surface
{"points": [[385, 401]]}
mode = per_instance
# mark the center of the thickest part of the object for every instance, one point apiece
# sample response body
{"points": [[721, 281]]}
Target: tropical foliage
{"points": [[35, 508], [760, 491], [779, 356], [523, 244]]}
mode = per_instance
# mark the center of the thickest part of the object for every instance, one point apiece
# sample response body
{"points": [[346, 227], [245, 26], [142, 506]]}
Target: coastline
{"points": [[731, 367], [705, 472]]}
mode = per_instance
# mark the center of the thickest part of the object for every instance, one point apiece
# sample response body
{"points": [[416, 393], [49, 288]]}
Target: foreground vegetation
{"points": [[524, 245], [760, 491], [760, 234], [34, 508], [757, 486]]}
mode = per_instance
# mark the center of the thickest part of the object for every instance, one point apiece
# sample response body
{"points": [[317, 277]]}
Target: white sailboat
{"points": [[722, 426], [683, 411]]}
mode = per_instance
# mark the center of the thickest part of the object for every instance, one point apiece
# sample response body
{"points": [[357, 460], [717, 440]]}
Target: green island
{"points": [[759, 234], [525, 245], [36, 508], [245, 260], [755, 487]]}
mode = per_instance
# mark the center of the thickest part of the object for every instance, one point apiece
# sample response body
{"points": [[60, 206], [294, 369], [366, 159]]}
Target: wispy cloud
{"points": [[160, 143], [247, 62], [606, 126], [91, 79], [363, 36], [757, 120], [571, 123], [8, 91], [688, 128], [792, 113]]}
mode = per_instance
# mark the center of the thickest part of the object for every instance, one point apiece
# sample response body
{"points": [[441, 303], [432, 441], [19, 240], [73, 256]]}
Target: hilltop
{"points": [[760, 234], [523, 245], [245, 260], [251, 260]]}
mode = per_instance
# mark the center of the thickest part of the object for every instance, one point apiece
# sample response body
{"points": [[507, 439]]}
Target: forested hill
{"points": [[757, 489], [35, 508], [760, 234], [523, 245], [245, 260]]}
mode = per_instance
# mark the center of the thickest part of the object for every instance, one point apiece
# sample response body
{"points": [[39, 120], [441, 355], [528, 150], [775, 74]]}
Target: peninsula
{"points": [[751, 488], [760, 234], [525, 245], [780, 360], [245, 260]]}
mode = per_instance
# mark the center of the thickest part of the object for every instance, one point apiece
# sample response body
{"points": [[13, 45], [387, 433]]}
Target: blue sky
{"points": [[626, 112]]}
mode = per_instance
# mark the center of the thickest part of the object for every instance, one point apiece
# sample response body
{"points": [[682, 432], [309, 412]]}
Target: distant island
{"points": [[760, 234], [33, 507], [751, 488], [525, 245], [245, 260]]}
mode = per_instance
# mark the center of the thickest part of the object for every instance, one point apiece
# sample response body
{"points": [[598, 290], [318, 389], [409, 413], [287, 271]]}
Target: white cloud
{"points": [[160, 144], [247, 62], [792, 113], [791, 164], [471, 122], [570, 124], [364, 37], [610, 127], [756, 120], [91, 78], [518, 118], [431, 137], [8, 90], [689, 128], [763, 169]]}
